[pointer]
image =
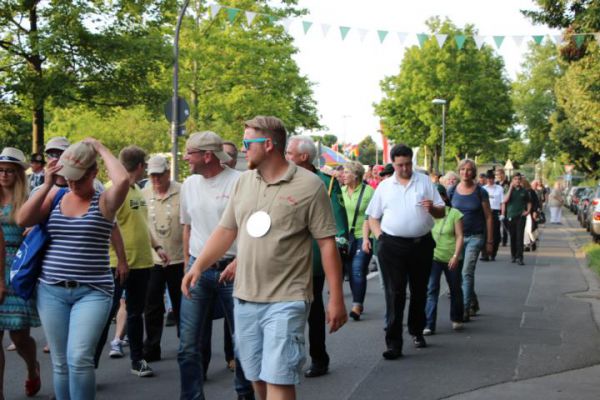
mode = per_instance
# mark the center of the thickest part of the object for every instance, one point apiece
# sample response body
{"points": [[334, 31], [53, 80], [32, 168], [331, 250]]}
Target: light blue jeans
{"points": [[73, 320], [471, 251]]}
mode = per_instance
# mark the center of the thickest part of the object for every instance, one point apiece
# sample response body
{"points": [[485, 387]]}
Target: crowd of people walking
{"points": [[253, 248]]}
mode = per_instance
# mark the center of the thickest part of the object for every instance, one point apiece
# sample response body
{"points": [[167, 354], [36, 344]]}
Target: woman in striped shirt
{"points": [[75, 287]]}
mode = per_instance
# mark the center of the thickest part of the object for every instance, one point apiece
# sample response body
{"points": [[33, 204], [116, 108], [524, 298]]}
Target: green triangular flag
{"points": [[344, 31], [232, 13], [382, 35], [272, 19], [460, 41], [579, 40], [306, 26], [422, 39], [538, 39], [498, 40]]}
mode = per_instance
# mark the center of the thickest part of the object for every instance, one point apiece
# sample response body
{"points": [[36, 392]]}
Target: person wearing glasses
{"points": [[16, 315], [275, 211], [204, 196]]}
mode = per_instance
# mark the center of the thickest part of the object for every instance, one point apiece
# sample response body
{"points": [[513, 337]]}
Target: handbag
{"points": [[27, 264]]}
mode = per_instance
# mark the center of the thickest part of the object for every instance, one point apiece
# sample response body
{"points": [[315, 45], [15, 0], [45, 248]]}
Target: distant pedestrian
{"points": [[555, 203], [36, 178], [496, 196], [503, 181], [449, 179], [401, 217], [516, 208]]}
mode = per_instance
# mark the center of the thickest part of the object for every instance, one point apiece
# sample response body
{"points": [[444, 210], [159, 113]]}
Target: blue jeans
{"points": [[357, 270], [195, 328], [73, 320], [433, 293], [472, 247]]}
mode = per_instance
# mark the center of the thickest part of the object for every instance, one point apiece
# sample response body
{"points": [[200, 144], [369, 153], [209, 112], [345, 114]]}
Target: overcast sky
{"points": [[347, 73]]}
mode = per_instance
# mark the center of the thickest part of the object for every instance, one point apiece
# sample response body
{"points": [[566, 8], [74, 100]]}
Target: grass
{"points": [[592, 250]]}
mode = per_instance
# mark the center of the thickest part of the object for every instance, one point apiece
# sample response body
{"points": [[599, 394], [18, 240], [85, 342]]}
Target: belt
{"points": [[68, 284], [407, 239], [222, 263]]}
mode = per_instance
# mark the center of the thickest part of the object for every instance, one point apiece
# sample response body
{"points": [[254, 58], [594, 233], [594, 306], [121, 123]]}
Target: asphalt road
{"points": [[536, 320]]}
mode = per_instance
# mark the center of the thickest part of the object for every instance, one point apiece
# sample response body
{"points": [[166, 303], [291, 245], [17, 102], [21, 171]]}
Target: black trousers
{"points": [[168, 277], [504, 232], [404, 261], [516, 227], [316, 324]]}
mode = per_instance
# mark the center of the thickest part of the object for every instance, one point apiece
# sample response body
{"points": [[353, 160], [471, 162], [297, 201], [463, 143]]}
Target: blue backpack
{"points": [[27, 264]]}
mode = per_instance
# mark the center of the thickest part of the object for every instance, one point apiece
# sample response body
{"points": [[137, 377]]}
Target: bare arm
{"points": [[458, 246], [37, 207], [186, 244], [489, 221], [366, 243], [217, 244], [116, 239], [375, 226], [332, 265]]}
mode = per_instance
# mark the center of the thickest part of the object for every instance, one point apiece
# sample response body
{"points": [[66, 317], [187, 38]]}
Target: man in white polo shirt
{"points": [[401, 216]]}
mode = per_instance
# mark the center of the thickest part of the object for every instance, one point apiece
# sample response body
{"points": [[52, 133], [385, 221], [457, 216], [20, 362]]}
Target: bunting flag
{"points": [[306, 26], [214, 9], [460, 41], [344, 31], [518, 39], [479, 40], [382, 35], [579, 40], [422, 37], [325, 28], [286, 22], [402, 37], [538, 39], [441, 39], [355, 151], [558, 40], [335, 147], [498, 40], [272, 18], [232, 13], [597, 36], [250, 17], [362, 33]]}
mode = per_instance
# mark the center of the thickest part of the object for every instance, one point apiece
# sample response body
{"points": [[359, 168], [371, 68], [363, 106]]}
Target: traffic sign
{"points": [[183, 110]]}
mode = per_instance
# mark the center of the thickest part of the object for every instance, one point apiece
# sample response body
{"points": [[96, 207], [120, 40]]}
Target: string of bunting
{"points": [[343, 31]]}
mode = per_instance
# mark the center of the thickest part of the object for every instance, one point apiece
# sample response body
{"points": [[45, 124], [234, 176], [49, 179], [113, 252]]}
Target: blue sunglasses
{"points": [[247, 142]]}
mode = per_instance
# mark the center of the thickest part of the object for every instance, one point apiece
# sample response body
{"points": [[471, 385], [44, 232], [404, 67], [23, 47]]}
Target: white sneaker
{"points": [[116, 350], [457, 326], [427, 332]]}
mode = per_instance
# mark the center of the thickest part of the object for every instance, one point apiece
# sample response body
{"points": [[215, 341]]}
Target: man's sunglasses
{"points": [[247, 142]]}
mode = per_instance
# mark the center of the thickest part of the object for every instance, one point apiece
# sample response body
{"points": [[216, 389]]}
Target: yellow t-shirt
{"points": [[132, 219]]}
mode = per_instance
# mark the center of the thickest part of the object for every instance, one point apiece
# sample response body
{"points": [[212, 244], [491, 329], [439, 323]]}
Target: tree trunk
{"points": [[38, 96]]}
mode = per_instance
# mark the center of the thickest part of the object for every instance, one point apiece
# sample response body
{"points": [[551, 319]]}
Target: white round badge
{"points": [[258, 224]]}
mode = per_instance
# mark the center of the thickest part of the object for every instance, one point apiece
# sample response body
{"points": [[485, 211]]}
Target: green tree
{"points": [[367, 152], [472, 82], [94, 52], [232, 71], [534, 99]]}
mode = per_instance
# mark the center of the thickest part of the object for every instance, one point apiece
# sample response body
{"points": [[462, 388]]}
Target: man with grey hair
{"points": [[302, 151]]}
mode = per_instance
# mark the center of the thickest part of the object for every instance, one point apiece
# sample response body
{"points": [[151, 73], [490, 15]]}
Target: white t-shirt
{"points": [[397, 206], [496, 195], [202, 204]]}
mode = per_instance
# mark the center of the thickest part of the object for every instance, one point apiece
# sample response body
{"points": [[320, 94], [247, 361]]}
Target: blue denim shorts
{"points": [[270, 340]]}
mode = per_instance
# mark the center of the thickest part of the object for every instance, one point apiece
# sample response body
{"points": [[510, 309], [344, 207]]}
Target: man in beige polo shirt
{"points": [[275, 210], [162, 199]]}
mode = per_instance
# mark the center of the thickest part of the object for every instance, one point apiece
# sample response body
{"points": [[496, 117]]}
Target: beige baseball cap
{"points": [[76, 160], [57, 143], [208, 141], [157, 165]]}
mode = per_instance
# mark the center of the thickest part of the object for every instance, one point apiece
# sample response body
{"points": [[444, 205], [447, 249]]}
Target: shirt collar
{"points": [[289, 174]]}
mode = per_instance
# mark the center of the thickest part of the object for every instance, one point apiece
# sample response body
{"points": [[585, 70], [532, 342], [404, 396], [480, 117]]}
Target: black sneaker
{"points": [[141, 368], [170, 320], [419, 342]]}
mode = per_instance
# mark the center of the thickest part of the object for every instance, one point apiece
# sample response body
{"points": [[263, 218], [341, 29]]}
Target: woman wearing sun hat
{"points": [[75, 286], [16, 315]]}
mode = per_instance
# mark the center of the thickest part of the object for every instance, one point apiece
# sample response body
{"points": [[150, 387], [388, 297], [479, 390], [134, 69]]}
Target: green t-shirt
{"points": [[444, 235], [350, 204], [519, 197]]}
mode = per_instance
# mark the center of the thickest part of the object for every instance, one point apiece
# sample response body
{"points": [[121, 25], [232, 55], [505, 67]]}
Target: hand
{"points": [[189, 281], [228, 273], [164, 257], [95, 143], [3, 292], [427, 205], [50, 172], [453, 263], [524, 213], [501, 218], [122, 272], [336, 315], [366, 246]]}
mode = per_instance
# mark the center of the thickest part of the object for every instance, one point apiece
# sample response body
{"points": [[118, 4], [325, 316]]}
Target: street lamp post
{"points": [[443, 103]]}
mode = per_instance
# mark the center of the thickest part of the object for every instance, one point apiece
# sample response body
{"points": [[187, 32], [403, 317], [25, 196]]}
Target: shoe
{"points": [[170, 320], [355, 313], [46, 349], [513, 260], [32, 386], [457, 326], [473, 312], [11, 347], [116, 349], [520, 262], [392, 354], [141, 368], [527, 248], [125, 342], [316, 370], [231, 365], [493, 258], [427, 332], [534, 247], [419, 342], [484, 259]]}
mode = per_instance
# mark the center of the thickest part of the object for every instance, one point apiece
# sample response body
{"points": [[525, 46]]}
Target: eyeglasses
{"points": [[247, 142], [54, 154], [7, 171]]}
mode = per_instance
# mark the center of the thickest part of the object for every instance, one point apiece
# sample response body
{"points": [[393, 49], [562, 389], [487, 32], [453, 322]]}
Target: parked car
{"points": [[594, 201], [595, 224], [575, 198], [582, 206], [569, 196]]}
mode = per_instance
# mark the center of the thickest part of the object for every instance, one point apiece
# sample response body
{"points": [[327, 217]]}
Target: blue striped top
{"points": [[78, 249]]}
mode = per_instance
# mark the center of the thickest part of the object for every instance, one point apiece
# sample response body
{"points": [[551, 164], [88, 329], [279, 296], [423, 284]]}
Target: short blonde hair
{"points": [[356, 169]]}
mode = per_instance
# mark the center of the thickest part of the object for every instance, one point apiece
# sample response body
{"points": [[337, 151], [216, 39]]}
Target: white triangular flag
{"points": [[250, 17], [518, 39], [441, 38], [402, 37], [362, 33], [479, 40], [286, 22], [214, 9], [597, 36], [325, 28], [558, 39]]}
